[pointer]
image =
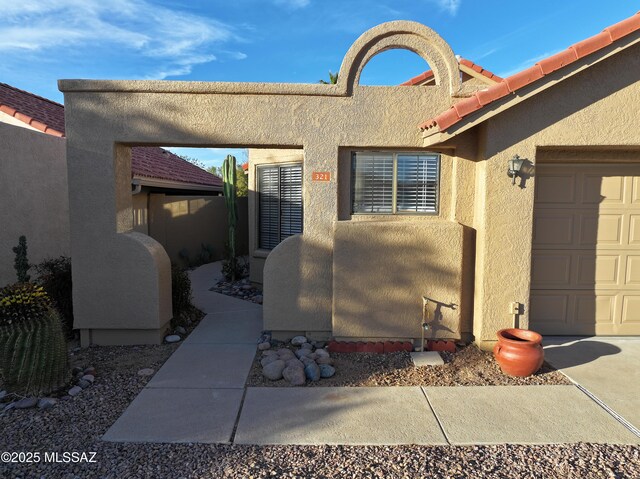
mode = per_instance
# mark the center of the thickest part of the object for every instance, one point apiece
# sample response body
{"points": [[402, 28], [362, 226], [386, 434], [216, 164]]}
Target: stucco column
{"points": [[121, 279], [298, 272], [504, 222]]}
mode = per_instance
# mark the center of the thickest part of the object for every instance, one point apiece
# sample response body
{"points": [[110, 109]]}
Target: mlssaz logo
{"points": [[70, 457]]}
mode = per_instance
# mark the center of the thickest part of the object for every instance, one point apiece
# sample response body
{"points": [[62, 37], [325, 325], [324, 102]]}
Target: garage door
{"points": [[585, 275]]}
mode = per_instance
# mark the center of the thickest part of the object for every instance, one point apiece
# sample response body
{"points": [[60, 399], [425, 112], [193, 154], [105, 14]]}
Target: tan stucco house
{"points": [[365, 200]]}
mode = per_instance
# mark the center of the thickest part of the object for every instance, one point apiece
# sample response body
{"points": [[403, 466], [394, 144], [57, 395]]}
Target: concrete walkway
{"points": [[199, 396], [607, 369]]}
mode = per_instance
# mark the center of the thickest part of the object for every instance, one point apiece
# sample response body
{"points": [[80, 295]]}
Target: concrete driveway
{"points": [[607, 369]]}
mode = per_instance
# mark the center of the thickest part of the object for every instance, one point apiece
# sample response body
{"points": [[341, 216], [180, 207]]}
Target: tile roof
{"points": [[148, 161], [417, 80], [544, 67]]}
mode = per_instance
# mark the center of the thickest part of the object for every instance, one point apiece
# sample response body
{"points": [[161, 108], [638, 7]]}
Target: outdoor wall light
{"points": [[515, 165]]}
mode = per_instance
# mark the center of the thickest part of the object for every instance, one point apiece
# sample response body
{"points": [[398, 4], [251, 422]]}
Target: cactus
{"points": [[229, 178], [21, 263], [33, 351]]}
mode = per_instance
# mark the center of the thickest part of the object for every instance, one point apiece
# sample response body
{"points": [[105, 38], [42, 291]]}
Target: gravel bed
{"points": [[467, 367], [78, 424], [241, 289]]}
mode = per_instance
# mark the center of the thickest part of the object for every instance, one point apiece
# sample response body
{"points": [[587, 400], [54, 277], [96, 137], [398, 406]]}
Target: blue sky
{"points": [[272, 40]]}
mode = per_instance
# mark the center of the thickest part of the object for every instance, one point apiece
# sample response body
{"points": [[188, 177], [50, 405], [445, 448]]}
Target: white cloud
{"points": [[449, 6], [292, 4], [177, 40]]}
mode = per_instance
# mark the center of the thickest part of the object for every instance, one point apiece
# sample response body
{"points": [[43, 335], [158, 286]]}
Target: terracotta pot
{"points": [[519, 351]]}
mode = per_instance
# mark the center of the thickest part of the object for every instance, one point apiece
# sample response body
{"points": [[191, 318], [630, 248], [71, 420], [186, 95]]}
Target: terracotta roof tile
{"points": [[544, 67], [417, 80], [151, 162]]}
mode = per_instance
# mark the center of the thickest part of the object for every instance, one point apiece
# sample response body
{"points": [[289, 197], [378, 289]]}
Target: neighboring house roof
{"points": [[521, 79], [146, 162], [428, 75]]}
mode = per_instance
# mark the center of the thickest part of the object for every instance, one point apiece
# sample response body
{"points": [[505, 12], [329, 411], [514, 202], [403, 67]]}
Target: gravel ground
{"points": [[467, 367], [78, 424]]}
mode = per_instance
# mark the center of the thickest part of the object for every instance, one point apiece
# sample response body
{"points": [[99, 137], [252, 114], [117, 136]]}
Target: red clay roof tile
{"points": [[429, 73], [150, 162], [511, 84]]}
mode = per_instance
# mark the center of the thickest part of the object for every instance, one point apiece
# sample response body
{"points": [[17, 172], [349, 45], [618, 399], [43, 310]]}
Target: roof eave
{"points": [[160, 183], [433, 136]]}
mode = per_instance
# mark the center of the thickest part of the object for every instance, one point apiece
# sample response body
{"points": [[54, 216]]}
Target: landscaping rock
{"points": [[322, 352], [47, 403], [306, 346], [26, 403], [88, 377], [294, 375], [319, 344], [3, 394], [84, 384], [9, 406], [285, 354], [90, 370], [274, 370], [146, 372], [75, 390], [181, 330], [302, 352], [326, 371], [268, 360], [324, 360], [298, 340], [294, 363], [306, 360], [263, 346], [172, 338], [312, 371], [269, 352], [77, 370]]}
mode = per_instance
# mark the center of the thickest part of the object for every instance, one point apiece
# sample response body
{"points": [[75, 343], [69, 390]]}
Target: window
{"points": [[279, 204], [390, 183]]}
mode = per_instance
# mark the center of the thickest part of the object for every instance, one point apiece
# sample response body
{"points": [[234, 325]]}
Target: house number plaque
{"points": [[321, 176]]}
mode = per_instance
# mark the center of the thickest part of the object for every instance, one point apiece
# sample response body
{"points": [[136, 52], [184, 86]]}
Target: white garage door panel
{"points": [[585, 276]]}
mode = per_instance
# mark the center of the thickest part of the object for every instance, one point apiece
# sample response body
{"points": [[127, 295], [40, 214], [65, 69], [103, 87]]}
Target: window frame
{"points": [[278, 166], [394, 206]]}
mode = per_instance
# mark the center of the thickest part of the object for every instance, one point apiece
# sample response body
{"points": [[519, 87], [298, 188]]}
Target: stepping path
{"points": [[198, 396]]}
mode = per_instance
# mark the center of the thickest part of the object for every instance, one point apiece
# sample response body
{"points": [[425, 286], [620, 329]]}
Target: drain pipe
{"points": [[137, 188], [424, 326]]}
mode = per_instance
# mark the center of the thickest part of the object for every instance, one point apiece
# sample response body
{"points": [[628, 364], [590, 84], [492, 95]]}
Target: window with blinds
{"points": [[279, 204], [388, 183]]}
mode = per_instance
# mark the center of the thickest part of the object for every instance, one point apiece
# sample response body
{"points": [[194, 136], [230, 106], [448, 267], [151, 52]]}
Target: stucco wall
{"points": [[383, 269], [187, 222], [317, 118], [33, 195]]}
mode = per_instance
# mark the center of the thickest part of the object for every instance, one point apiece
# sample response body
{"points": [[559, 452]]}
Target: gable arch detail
{"points": [[404, 35]]}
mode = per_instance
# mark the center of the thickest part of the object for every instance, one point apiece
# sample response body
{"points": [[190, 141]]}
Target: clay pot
{"points": [[519, 351]]}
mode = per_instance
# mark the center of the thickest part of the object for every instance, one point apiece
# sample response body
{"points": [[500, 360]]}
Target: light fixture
{"points": [[515, 165]]}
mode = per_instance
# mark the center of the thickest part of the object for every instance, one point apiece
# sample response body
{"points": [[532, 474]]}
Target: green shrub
{"points": [[33, 352], [54, 275], [180, 290], [21, 263]]}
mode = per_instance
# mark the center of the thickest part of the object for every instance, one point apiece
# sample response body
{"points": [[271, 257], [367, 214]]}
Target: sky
{"points": [[291, 41]]}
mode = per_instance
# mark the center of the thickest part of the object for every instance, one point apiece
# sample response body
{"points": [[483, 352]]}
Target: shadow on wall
{"points": [[183, 224], [382, 270]]}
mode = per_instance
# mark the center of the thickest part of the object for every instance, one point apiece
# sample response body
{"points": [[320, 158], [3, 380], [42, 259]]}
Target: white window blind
{"points": [[279, 204], [387, 183]]}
